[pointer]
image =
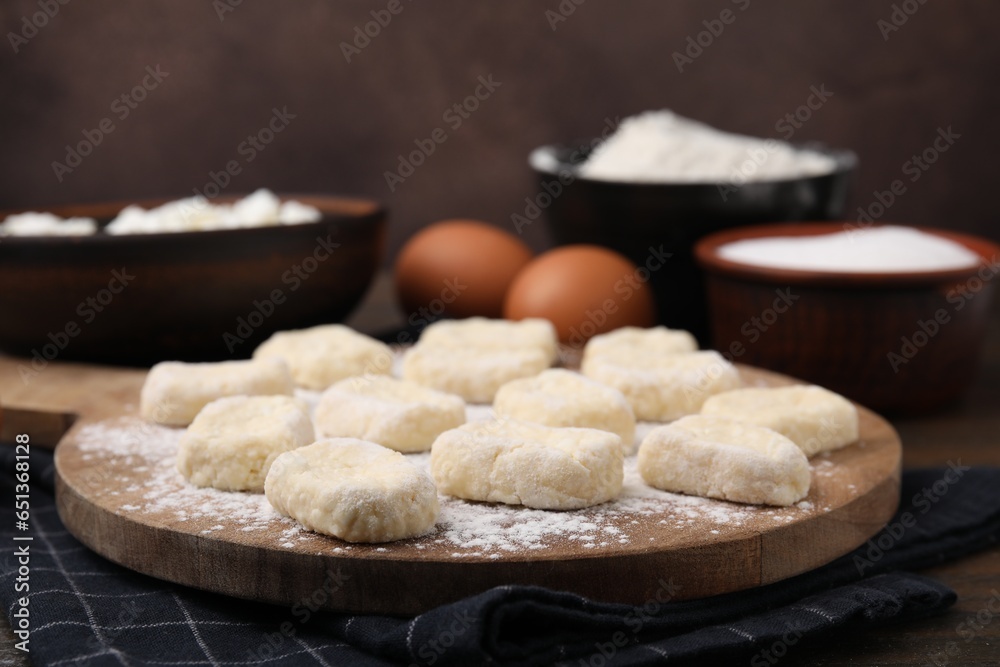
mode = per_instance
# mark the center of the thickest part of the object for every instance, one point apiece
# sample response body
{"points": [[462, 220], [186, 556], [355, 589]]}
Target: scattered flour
{"points": [[464, 529]]}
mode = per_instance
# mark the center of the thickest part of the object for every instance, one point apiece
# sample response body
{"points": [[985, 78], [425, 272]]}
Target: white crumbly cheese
{"points": [[260, 209], [714, 457], [355, 490], [174, 392], [322, 355], [520, 463], [46, 224], [873, 250], [561, 398], [473, 358], [815, 419], [394, 413], [233, 441], [663, 147], [663, 387]]}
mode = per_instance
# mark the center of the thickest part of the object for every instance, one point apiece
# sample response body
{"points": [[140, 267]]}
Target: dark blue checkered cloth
{"points": [[85, 610]]}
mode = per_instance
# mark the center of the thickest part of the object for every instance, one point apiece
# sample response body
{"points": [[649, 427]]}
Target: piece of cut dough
{"points": [[175, 391], [520, 463], [474, 373], [481, 332], [325, 354], [397, 414], [814, 418], [562, 398], [665, 387], [714, 457], [232, 442], [633, 345], [355, 490]]}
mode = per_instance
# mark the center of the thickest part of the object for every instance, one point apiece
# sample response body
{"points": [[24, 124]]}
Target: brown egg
{"points": [[458, 268], [583, 290]]}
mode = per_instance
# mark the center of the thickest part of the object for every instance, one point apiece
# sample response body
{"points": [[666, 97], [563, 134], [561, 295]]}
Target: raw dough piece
{"points": [[520, 463], [481, 332], [232, 442], [474, 373], [719, 458], [322, 355], [633, 345], [355, 490], [665, 387], [814, 418], [397, 414], [174, 391], [558, 397]]}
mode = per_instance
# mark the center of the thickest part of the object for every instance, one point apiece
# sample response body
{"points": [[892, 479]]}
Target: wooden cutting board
{"points": [[637, 550]]}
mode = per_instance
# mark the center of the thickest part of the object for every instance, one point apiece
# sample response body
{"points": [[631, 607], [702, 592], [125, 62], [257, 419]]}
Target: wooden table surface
{"points": [[969, 432]]}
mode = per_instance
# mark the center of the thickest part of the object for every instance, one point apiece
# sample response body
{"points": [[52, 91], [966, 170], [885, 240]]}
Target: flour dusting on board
{"points": [[464, 529]]}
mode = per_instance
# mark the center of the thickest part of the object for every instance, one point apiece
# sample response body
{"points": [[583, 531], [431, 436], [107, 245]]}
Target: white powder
{"points": [[874, 250], [46, 224], [662, 147], [260, 209], [464, 529]]}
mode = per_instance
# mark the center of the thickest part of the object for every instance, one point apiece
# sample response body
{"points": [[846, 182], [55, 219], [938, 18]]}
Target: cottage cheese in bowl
{"points": [[260, 209]]}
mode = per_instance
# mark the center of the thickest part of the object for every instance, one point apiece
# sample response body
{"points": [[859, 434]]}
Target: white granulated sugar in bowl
{"points": [[889, 249], [663, 147]]}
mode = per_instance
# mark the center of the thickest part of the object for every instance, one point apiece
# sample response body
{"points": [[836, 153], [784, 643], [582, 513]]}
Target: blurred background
{"points": [[896, 74]]}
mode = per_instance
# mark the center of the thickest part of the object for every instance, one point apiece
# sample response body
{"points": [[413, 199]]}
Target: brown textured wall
{"points": [[606, 60]]}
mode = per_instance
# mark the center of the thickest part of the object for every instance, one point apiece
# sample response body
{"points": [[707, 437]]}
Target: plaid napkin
{"points": [[86, 610]]}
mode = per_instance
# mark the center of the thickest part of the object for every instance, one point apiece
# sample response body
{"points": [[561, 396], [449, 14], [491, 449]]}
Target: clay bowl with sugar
{"points": [[634, 218], [204, 295], [899, 342]]}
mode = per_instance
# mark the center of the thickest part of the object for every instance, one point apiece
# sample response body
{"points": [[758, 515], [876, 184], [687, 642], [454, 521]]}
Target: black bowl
{"points": [[645, 221], [208, 295]]}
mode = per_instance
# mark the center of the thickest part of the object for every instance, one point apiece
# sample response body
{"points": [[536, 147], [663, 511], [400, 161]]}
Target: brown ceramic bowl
{"points": [[188, 295], [636, 218], [899, 342]]}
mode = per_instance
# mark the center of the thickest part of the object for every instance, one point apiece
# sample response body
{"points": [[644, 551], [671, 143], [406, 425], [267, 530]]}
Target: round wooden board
{"points": [[699, 547]]}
